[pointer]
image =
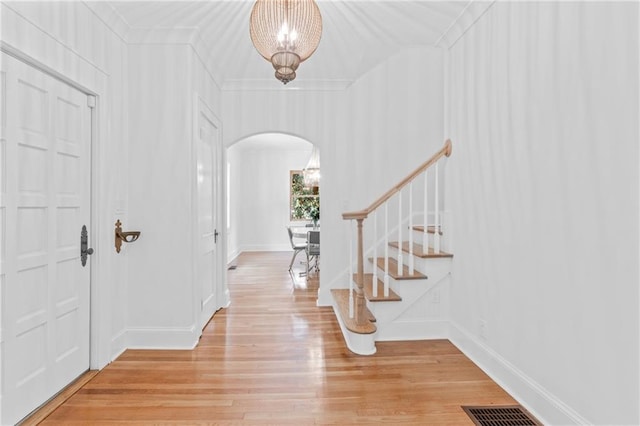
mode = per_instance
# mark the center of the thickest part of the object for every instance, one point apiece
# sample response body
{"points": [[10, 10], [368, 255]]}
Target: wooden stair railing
{"points": [[357, 304]]}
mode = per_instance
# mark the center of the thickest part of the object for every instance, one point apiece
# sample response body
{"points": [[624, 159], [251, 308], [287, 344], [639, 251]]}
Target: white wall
{"points": [[164, 79], [69, 39], [369, 136], [395, 123], [543, 112], [160, 273], [260, 191]]}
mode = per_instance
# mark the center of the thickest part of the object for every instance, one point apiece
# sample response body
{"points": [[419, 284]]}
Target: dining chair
{"points": [[313, 250], [297, 247]]}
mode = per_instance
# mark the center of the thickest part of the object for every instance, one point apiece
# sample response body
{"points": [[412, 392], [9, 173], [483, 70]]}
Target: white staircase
{"points": [[414, 303]]}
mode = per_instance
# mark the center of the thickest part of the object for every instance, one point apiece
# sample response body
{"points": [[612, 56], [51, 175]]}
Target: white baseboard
{"points": [[541, 403], [226, 300], [266, 247], [163, 338], [324, 296], [231, 257], [118, 344]]}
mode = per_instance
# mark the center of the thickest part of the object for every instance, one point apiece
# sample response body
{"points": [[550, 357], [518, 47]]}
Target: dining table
{"points": [[301, 231]]}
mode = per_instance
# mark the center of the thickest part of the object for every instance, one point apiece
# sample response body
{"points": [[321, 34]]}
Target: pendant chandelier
{"points": [[311, 173], [285, 33]]}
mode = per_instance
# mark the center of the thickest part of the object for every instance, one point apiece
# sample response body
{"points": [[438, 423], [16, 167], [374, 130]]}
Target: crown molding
{"points": [[467, 18], [272, 84], [105, 12]]}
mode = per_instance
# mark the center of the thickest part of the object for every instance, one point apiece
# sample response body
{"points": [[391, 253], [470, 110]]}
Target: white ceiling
{"points": [[357, 35]]}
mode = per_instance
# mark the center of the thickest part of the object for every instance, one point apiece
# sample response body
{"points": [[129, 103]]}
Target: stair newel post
{"points": [[386, 249], [374, 281], [425, 231], [351, 313], [360, 317], [400, 233], [410, 228], [436, 235]]}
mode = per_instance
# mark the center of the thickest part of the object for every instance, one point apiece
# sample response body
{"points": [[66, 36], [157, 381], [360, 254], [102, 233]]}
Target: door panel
{"points": [[207, 149], [46, 159]]}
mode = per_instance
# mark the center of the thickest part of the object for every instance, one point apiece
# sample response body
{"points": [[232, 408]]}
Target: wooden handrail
{"points": [[362, 214]]}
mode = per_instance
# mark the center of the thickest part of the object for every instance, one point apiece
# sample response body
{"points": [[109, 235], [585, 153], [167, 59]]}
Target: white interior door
{"points": [[207, 157], [45, 152]]}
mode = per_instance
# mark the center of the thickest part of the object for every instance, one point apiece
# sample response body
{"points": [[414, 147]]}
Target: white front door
{"points": [[45, 160], [207, 160]]}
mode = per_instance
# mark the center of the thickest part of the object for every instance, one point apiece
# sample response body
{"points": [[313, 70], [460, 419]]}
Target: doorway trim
{"points": [[200, 106]]}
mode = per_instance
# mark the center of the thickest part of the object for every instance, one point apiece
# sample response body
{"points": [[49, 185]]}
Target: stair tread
{"points": [[341, 296], [418, 250], [368, 290], [430, 229], [393, 270]]}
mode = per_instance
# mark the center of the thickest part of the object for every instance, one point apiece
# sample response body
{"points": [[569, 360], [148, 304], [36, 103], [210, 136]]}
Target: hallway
{"points": [[273, 357]]}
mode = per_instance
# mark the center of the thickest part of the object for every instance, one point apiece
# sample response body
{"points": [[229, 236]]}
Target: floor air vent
{"points": [[512, 415]]}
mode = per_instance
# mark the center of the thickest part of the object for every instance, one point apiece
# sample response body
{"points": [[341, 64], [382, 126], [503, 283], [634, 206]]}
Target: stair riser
{"points": [[417, 237], [405, 237], [394, 285], [437, 266], [418, 305]]}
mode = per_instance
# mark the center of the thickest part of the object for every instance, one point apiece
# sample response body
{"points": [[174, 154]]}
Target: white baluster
{"points": [[374, 280], [386, 249], [351, 301], [425, 232], [436, 235], [400, 233], [411, 228]]}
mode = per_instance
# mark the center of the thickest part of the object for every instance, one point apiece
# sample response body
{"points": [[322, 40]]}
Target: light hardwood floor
{"points": [[273, 357]]}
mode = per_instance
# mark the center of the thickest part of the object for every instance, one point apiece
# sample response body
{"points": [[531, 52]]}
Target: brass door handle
{"points": [[127, 237]]}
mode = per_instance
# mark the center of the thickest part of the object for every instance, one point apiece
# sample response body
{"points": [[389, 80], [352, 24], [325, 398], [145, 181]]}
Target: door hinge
{"points": [[91, 101]]}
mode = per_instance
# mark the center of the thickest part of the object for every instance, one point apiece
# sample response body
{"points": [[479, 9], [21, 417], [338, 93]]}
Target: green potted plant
{"points": [[313, 212]]}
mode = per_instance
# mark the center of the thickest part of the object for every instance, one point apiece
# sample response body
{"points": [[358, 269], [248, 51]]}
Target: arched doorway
{"points": [[259, 202]]}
